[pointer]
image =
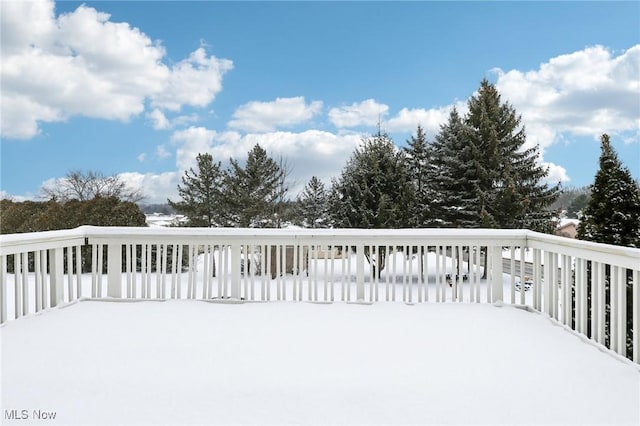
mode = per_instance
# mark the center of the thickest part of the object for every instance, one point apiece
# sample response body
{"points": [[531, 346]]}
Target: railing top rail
{"points": [[15, 243], [278, 233], [31, 241], [607, 253]]}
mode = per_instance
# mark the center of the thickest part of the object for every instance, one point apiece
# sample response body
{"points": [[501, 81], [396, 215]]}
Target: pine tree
{"points": [[373, 191], [612, 215], [510, 185], [254, 192], [418, 162], [201, 193], [374, 187], [453, 174], [313, 205]]}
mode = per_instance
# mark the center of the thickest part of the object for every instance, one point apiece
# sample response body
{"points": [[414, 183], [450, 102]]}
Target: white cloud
{"points": [[312, 152], [4, 195], [584, 93], [161, 152], [194, 81], [158, 120], [407, 120], [191, 142], [258, 116], [156, 188], [556, 174], [81, 63], [142, 157], [365, 113]]}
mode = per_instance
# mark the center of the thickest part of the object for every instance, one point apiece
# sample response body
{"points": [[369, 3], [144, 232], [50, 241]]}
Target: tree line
{"points": [[79, 198], [476, 172]]}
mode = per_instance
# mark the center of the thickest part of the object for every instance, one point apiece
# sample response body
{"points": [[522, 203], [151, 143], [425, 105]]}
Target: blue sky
{"points": [[139, 88]]}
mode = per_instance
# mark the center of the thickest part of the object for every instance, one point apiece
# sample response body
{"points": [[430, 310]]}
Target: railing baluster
{"points": [[100, 268], [127, 265], [190, 275], [325, 270], [360, 273], [78, 252], [496, 275], [566, 285], [621, 313], [333, 270], [252, 272], [315, 276], [425, 272], [179, 271], [267, 272], [245, 277], [584, 312], [38, 276], [394, 274], [523, 276], [349, 255], [25, 283], [297, 277], [479, 268], [512, 274], [69, 273], [17, 284], [44, 261]]}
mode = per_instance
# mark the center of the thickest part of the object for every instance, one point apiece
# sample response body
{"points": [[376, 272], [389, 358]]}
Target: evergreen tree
{"points": [[612, 215], [201, 193], [313, 205], [373, 191], [418, 161], [255, 192], [510, 184], [453, 174], [374, 187], [577, 206]]}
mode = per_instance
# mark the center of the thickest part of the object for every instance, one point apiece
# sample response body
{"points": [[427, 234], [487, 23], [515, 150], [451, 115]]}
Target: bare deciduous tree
{"points": [[80, 185]]}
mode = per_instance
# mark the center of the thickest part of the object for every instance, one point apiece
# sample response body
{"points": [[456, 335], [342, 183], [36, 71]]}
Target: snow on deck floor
{"points": [[188, 362]]}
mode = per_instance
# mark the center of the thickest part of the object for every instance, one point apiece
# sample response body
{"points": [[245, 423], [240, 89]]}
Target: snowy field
{"points": [[196, 362]]}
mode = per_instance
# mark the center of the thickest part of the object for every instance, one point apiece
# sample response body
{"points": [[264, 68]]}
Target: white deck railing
{"points": [[46, 269]]}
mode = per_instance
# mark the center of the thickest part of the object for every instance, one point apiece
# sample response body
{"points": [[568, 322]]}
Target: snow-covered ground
{"points": [[194, 362]]}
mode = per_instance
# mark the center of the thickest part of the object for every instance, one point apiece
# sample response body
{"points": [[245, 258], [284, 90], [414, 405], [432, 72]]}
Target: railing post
{"points": [[235, 271], [496, 274], [114, 270], [360, 273], [56, 266]]}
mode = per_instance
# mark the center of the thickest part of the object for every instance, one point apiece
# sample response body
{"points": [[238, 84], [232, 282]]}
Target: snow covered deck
{"points": [[235, 326], [197, 362]]}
